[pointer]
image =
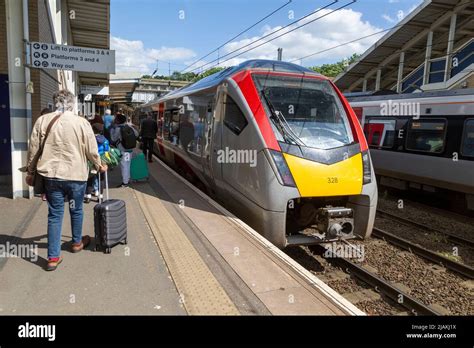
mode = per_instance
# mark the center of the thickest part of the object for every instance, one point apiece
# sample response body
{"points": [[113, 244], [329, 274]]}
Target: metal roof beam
{"points": [[440, 52], [413, 41]]}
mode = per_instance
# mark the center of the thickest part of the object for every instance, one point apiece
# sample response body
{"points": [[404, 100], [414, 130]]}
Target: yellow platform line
{"points": [[199, 290]]}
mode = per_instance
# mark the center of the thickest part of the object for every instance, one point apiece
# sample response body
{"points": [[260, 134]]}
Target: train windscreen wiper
{"points": [[280, 122]]}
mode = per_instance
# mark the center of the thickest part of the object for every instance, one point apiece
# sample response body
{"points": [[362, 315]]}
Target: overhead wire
{"points": [[239, 34], [272, 33]]}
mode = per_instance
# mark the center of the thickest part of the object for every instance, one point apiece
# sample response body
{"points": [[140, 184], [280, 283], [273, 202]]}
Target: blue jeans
{"points": [[95, 183], [57, 191]]}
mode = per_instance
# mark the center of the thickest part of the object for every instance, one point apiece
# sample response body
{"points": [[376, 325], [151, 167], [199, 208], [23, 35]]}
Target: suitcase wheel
{"points": [[108, 250], [97, 247]]}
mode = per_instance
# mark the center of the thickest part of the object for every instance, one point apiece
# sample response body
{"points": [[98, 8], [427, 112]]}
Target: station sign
{"points": [[64, 57]]}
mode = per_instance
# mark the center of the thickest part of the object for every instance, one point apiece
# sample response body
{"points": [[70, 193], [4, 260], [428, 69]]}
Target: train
{"points": [[422, 143], [277, 144]]}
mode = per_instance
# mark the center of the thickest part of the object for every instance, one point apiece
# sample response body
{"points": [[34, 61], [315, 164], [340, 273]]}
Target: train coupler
{"points": [[335, 222]]}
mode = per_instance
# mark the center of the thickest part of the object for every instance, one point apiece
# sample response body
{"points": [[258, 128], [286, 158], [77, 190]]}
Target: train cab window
{"points": [[467, 148], [234, 118], [380, 133], [426, 135]]}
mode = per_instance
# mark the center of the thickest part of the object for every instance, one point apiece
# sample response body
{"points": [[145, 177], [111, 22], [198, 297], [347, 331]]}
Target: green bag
{"points": [[139, 167], [116, 152]]}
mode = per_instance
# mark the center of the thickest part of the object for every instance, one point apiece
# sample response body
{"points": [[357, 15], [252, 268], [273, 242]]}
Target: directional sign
{"points": [[62, 57]]}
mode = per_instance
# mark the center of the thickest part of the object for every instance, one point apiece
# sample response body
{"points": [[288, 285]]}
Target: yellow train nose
{"points": [[317, 180]]}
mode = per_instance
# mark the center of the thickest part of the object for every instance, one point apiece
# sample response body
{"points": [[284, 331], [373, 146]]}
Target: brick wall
{"points": [[35, 73], [3, 39], [45, 81]]}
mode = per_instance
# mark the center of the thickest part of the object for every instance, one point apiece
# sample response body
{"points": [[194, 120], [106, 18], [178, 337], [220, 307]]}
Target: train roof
{"points": [[217, 78]]}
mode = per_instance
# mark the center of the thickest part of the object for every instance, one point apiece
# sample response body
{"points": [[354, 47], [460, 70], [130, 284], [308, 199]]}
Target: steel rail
{"points": [[379, 284], [452, 237], [454, 266]]}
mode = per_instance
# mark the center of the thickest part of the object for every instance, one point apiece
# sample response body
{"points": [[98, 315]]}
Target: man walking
{"points": [[124, 137], [148, 130], [67, 143], [108, 120]]}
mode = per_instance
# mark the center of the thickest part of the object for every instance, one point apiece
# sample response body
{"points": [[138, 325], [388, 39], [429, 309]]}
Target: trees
{"points": [[208, 73], [188, 76], [332, 70], [329, 70]]}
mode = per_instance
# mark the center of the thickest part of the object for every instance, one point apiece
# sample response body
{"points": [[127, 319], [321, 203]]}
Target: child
{"points": [[93, 181]]}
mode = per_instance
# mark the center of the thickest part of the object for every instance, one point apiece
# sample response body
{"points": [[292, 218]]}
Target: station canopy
{"points": [[91, 28], [410, 36]]}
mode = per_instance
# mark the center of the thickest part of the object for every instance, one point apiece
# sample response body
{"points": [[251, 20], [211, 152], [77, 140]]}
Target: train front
{"points": [[326, 184]]}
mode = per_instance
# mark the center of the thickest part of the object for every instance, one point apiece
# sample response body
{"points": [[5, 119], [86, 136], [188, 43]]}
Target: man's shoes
{"points": [[87, 199], [86, 240], [150, 161], [122, 185], [53, 263]]}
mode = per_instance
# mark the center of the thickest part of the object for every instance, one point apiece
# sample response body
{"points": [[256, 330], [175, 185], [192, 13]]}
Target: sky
{"points": [[149, 34]]}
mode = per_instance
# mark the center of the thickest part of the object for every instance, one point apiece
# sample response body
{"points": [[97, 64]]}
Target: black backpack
{"points": [[129, 139]]}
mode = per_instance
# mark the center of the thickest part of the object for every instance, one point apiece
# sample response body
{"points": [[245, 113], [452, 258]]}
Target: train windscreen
{"points": [[305, 111]]}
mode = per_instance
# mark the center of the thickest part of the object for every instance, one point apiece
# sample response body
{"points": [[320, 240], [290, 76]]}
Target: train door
{"points": [[5, 137], [213, 142]]}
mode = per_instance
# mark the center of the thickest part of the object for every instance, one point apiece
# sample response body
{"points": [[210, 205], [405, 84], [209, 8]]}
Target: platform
{"points": [[185, 255]]}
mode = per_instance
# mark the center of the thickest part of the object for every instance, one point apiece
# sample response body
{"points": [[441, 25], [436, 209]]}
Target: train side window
{"points": [[174, 127], [380, 133], [426, 135], [166, 124], [467, 147], [234, 118]]}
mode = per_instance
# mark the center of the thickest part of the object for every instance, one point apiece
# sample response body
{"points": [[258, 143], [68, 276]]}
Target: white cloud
{"points": [[388, 18], [413, 8], [336, 28], [332, 30], [132, 56], [399, 17]]}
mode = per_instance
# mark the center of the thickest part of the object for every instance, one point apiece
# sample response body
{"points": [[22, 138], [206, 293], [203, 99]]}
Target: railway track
{"points": [[436, 258], [380, 285], [449, 236]]}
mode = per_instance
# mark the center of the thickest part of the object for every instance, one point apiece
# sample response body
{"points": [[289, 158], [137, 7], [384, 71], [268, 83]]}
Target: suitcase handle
{"points": [[106, 187]]}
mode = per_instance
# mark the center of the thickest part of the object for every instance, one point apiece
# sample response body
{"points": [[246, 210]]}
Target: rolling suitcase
{"points": [[139, 168], [110, 222]]}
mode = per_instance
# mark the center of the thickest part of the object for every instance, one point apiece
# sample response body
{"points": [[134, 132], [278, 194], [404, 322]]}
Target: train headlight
{"points": [[283, 169], [367, 167]]}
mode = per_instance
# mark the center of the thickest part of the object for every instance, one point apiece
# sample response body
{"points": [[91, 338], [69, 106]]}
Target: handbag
{"points": [[38, 179]]}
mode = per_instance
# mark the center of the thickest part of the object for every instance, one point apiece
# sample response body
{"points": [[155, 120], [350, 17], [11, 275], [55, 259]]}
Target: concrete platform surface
{"points": [[133, 279], [185, 255]]}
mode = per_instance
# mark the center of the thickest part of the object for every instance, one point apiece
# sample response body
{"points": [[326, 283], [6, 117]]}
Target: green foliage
{"points": [[188, 76], [329, 70], [332, 70], [208, 73]]}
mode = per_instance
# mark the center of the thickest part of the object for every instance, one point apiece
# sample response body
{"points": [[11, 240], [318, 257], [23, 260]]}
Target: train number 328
{"points": [[333, 180]]}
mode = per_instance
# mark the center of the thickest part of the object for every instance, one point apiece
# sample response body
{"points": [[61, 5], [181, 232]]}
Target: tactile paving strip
{"points": [[199, 290]]}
